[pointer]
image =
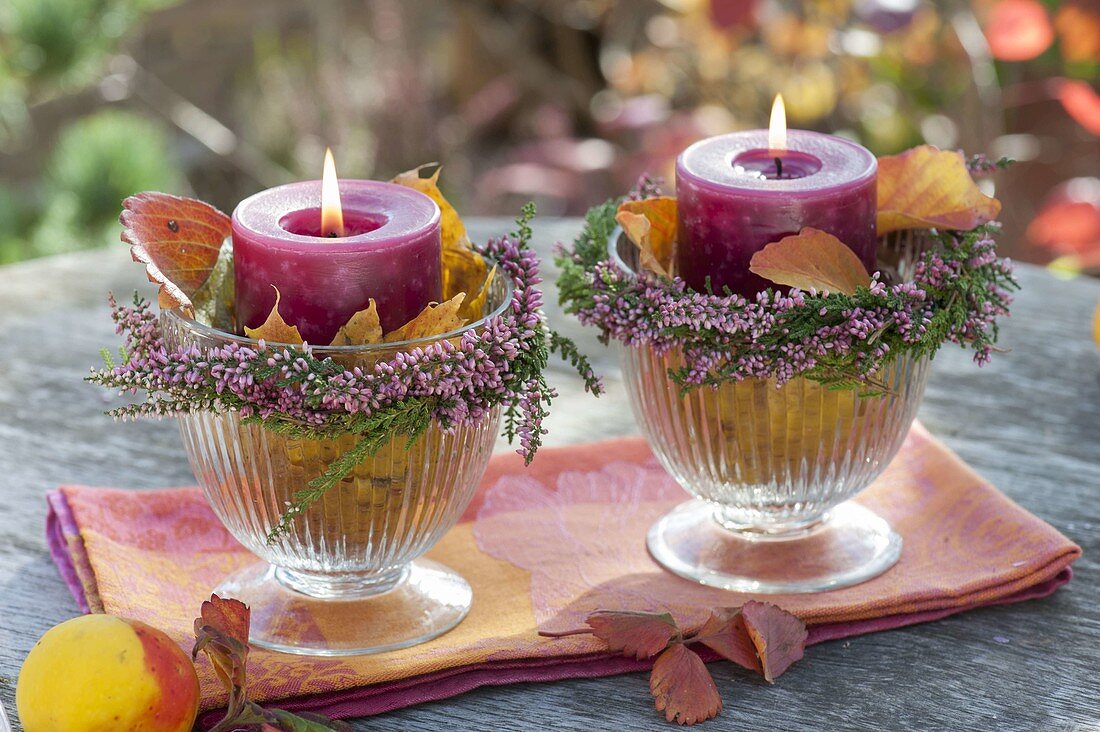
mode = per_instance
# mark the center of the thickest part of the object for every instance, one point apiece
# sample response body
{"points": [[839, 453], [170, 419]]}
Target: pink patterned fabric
{"points": [[542, 548]]}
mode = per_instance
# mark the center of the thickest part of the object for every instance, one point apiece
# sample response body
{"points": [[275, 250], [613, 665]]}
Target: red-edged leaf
{"points": [[639, 635], [682, 686], [1081, 102], [725, 634], [177, 239], [230, 616], [779, 636], [1018, 30], [811, 259]]}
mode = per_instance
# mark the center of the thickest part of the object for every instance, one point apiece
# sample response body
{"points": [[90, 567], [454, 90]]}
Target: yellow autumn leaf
{"points": [[651, 225], [452, 230], [473, 307], [928, 188], [463, 269], [275, 329], [435, 319], [811, 259], [362, 329]]}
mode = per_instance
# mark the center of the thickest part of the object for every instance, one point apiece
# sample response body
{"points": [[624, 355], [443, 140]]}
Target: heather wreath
{"points": [[958, 289], [292, 391]]}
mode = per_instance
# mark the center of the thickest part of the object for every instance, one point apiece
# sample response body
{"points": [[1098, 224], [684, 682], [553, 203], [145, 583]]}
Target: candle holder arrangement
{"points": [[338, 465], [774, 407]]}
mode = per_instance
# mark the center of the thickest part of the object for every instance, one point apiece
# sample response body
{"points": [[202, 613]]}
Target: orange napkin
{"points": [[544, 546]]}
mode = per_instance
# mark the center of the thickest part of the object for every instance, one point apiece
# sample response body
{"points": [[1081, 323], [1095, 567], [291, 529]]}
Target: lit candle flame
{"points": [[332, 214], [777, 128]]}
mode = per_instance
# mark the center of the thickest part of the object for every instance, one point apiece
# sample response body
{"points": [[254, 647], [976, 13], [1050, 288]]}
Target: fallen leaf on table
{"points": [[362, 329], [177, 239], [651, 225], [221, 632], [640, 635], [759, 636], [683, 687], [725, 634], [275, 329], [432, 320], [811, 259], [779, 636], [928, 188]]}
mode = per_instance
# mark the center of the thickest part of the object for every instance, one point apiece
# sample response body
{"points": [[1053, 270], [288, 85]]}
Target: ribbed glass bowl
{"points": [[347, 578], [771, 470]]}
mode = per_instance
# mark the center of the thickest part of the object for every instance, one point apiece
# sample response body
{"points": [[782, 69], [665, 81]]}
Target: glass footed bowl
{"points": [[771, 469], [347, 578]]}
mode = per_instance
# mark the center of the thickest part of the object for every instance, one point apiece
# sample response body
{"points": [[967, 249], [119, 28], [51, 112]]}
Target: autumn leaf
{"points": [[177, 239], [651, 225], [779, 636], [221, 632], [638, 635], [452, 230], [464, 270], [275, 329], [435, 319], [811, 259], [926, 188], [473, 308], [725, 634], [363, 328], [683, 688], [759, 636]]}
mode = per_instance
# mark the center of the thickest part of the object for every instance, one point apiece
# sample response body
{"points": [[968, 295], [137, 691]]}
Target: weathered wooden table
{"points": [[1030, 422]]}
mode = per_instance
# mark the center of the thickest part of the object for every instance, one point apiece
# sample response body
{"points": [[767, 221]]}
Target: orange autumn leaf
{"points": [[637, 635], [1018, 30], [432, 320], [651, 225], [362, 329], [925, 188], [683, 688], [177, 239], [811, 260], [275, 329]]}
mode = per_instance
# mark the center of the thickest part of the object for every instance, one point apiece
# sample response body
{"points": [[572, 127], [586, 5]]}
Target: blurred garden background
{"points": [[564, 102]]}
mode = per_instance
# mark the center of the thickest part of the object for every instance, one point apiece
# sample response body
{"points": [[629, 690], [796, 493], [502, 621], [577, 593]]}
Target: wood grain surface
{"points": [[1030, 422]]}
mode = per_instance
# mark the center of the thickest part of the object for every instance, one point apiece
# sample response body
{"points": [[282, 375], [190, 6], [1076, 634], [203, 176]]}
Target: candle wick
{"points": [[331, 235], [778, 167]]}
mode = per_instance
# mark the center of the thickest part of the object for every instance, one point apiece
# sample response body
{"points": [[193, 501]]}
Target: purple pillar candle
{"points": [[390, 252], [736, 194]]}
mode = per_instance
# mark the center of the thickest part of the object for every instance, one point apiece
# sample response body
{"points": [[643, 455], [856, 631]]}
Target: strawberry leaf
{"points": [[725, 634], [811, 259], [177, 239], [779, 636], [683, 688], [638, 635]]}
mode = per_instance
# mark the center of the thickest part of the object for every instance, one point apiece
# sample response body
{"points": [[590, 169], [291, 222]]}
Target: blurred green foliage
{"points": [[50, 48]]}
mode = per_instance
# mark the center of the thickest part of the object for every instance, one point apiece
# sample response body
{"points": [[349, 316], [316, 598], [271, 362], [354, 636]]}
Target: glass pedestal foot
{"points": [[349, 615], [851, 544]]}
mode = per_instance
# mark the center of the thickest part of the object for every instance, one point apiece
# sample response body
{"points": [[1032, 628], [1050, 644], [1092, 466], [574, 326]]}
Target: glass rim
{"points": [[212, 332]]}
